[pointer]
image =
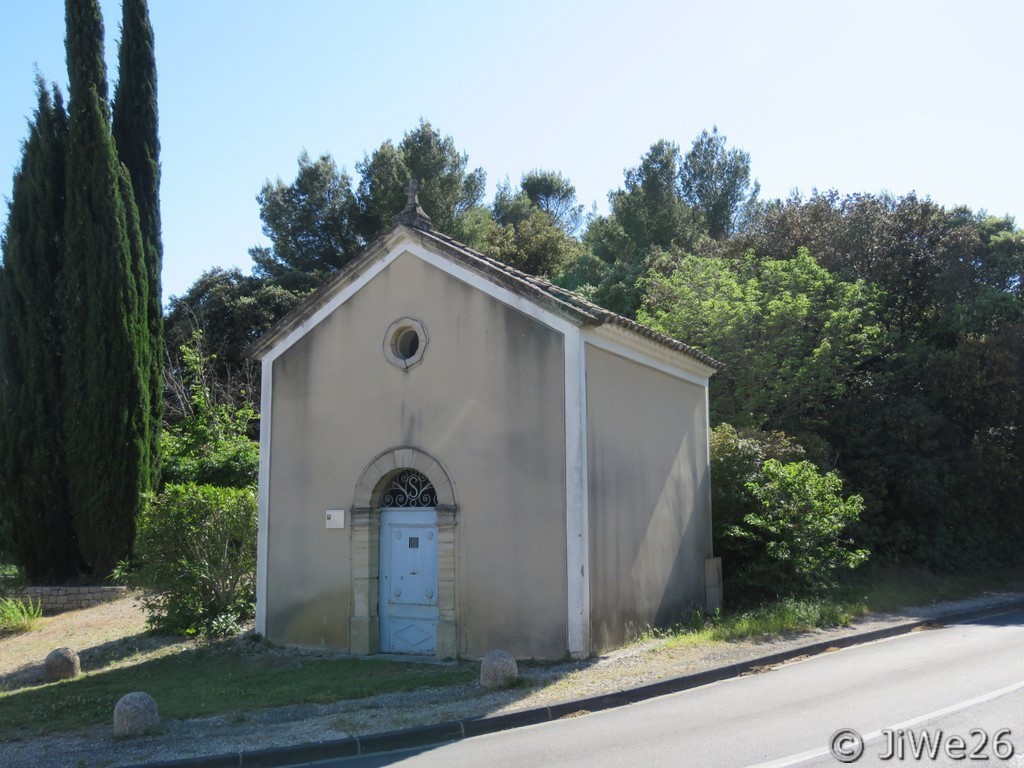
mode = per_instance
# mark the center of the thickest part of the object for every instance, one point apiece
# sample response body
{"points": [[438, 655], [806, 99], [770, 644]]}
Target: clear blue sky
{"points": [[858, 96]]}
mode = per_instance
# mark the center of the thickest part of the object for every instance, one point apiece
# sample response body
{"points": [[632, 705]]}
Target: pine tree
{"points": [[106, 346], [33, 471], [138, 146]]}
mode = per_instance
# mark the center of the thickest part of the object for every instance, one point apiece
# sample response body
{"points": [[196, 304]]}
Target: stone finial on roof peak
{"points": [[413, 214]]}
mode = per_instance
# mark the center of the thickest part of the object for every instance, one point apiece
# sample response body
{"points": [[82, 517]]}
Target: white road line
{"points": [[803, 757]]}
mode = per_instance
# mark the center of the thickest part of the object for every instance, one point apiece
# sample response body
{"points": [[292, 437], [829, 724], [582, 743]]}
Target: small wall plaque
{"points": [[335, 518]]}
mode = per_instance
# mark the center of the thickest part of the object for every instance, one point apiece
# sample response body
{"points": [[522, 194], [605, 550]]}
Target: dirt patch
{"points": [[578, 713], [103, 636]]}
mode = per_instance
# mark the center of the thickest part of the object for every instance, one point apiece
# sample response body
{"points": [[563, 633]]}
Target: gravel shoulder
{"points": [[243, 731]]}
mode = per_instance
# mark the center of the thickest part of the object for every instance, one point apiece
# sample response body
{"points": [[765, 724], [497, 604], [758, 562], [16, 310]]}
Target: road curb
{"points": [[456, 730]]}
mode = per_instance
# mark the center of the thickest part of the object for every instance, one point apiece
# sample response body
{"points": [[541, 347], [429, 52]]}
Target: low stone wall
{"points": [[60, 599]]}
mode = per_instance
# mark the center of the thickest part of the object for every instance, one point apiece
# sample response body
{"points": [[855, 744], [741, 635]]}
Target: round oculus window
{"points": [[404, 342]]}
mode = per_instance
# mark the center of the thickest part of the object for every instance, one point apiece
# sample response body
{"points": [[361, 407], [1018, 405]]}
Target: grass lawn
{"points": [[206, 681]]}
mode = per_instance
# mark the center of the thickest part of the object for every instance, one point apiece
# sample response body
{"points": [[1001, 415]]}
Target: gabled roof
{"points": [[565, 303]]}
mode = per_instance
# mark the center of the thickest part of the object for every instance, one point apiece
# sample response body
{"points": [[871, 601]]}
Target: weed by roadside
{"points": [[767, 620], [18, 616]]}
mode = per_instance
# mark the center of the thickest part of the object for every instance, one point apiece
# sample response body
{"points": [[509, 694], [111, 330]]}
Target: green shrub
{"points": [[230, 460], [801, 524], [779, 524], [196, 554], [736, 459], [17, 615]]}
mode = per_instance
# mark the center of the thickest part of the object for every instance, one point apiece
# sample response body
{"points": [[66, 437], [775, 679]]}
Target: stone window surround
{"points": [[364, 624], [391, 340]]}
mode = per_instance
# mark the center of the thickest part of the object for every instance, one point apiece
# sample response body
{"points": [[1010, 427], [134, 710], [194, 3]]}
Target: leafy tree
{"points": [[450, 191], [34, 507], [136, 135], [796, 339], [312, 224], [230, 310], [210, 444], [103, 295], [525, 235], [648, 216], [556, 196], [511, 206], [613, 284], [942, 272], [931, 438], [533, 244], [474, 227], [935, 447], [716, 183], [651, 209]]}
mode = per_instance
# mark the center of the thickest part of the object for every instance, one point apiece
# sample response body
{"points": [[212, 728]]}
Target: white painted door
{"points": [[408, 580]]}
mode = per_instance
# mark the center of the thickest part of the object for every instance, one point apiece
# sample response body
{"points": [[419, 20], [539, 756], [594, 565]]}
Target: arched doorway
{"points": [[403, 538], [408, 564]]}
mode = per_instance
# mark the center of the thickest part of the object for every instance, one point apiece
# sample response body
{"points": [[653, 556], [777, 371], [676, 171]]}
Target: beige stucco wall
{"points": [[649, 496], [486, 401]]}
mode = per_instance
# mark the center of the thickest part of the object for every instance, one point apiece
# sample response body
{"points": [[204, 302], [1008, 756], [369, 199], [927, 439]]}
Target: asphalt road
{"points": [[965, 680]]}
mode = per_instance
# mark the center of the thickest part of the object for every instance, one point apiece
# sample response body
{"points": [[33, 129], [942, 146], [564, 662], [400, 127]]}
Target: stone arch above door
{"points": [[386, 464], [364, 624]]}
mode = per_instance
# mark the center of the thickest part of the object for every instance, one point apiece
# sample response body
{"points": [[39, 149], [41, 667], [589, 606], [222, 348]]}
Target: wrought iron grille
{"points": [[409, 488]]}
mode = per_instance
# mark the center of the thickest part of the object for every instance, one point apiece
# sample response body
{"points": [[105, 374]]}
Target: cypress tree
{"points": [[135, 129], [33, 471], [106, 346]]}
